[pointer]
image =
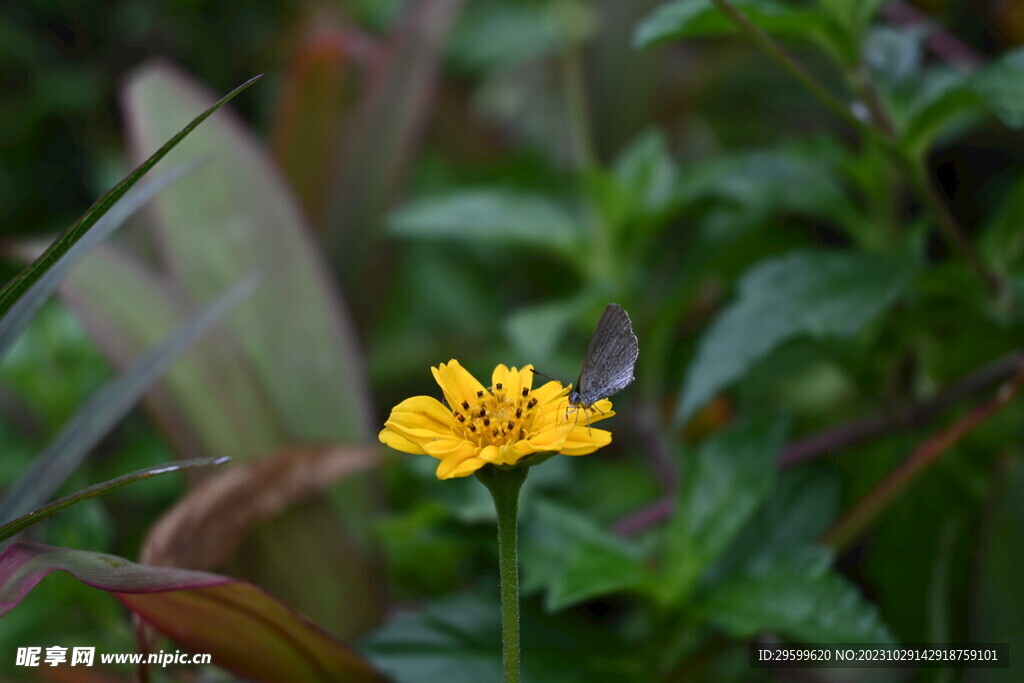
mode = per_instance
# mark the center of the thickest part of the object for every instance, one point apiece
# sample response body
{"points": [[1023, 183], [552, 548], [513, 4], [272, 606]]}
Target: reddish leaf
{"points": [[206, 526], [244, 629], [311, 106]]}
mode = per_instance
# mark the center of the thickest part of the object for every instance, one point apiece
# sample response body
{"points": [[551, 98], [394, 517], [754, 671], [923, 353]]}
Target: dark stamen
{"points": [[479, 394], [494, 433], [462, 418], [519, 413], [487, 422], [472, 428], [498, 386], [465, 405], [526, 392], [511, 425], [483, 412], [532, 403]]}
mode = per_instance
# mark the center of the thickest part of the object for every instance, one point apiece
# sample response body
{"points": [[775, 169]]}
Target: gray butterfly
{"points": [[611, 359]]}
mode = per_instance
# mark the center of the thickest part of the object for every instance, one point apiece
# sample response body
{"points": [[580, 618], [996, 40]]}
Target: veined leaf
{"points": [[1001, 85], [823, 294], [245, 630], [489, 216], [575, 560], [943, 100], [698, 18], [16, 287], [725, 480], [797, 596], [18, 525], [498, 35], [17, 317], [107, 406], [457, 639]]}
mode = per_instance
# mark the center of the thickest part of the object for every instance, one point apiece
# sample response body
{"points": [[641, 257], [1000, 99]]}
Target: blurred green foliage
{"points": [[821, 281]]}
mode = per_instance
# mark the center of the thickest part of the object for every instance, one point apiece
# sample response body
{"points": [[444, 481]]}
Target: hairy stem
{"points": [[504, 485]]}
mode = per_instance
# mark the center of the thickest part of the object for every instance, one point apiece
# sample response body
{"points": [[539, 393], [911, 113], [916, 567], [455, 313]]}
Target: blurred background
{"points": [[823, 266]]}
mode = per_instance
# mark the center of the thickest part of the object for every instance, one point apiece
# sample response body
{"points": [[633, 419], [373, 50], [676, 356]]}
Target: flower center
{"points": [[497, 417]]}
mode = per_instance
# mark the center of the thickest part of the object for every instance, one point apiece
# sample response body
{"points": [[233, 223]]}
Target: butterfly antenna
{"points": [[538, 372]]}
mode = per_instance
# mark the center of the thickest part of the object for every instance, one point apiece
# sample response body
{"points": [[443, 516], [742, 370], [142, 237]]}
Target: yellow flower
{"points": [[500, 424]]}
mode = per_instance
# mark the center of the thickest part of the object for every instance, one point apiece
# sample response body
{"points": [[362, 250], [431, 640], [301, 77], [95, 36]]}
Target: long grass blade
{"points": [[18, 315], [14, 289], [18, 525], [108, 406]]}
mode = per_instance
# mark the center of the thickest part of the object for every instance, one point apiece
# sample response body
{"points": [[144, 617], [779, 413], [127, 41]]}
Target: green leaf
{"points": [[1001, 85], [797, 596], [699, 18], [14, 289], [209, 402], [576, 560], [725, 481], [795, 179], [642, 190], [818, 293], [108, 406], [17, 317], [237, 215], [535, 331], [245, 630], [805, 502], [18, 525], [855, 15], [489, 216], [942, 101], [457, 639], [1002, 240], [501, 35]]}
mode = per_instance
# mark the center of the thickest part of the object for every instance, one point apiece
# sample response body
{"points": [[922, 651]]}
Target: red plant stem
{"points": [[869, 509]]}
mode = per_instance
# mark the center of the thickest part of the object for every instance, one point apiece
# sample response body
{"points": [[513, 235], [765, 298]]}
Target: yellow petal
{"points": [[550, 391], [399, 442], [450, 469], [416, 434], [456, 382], [501, 455], [512, 380], [510, 455], [451, 447], [549, 439], [452, 461], [422, 412], [585, 440], [490, 454]]}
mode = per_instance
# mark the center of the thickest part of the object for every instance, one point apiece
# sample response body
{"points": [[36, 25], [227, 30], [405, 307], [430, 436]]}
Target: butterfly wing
{"points": [[611, 357]]}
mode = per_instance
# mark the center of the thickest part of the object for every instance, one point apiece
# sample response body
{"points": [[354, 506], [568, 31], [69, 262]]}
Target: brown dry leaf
{"points": [[206, 526]]}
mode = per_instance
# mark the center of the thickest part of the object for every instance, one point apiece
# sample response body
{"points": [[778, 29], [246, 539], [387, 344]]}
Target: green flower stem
{"points": [[504, 484]]}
